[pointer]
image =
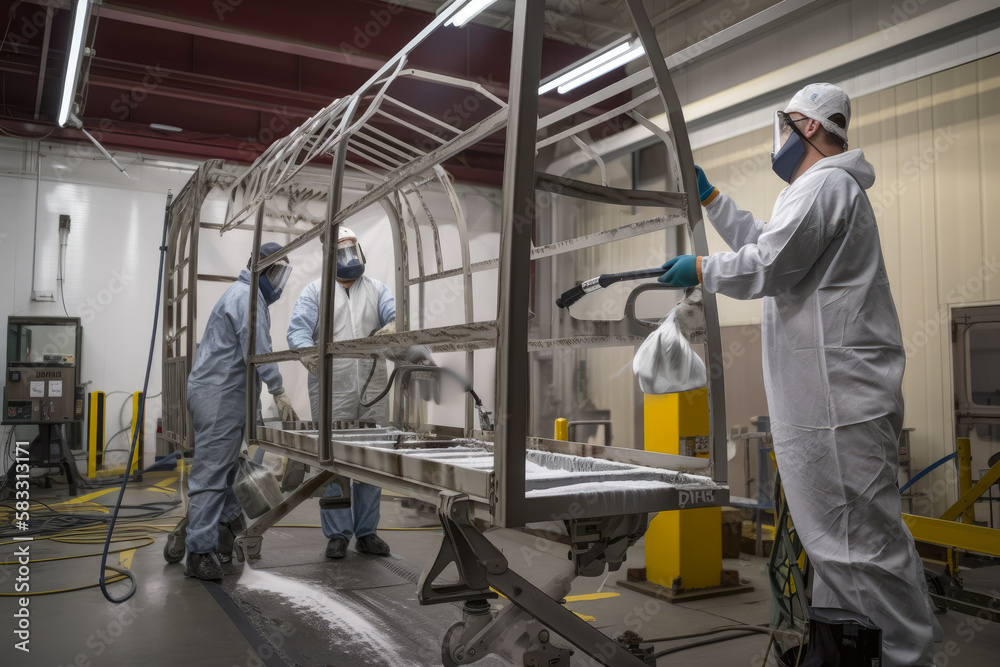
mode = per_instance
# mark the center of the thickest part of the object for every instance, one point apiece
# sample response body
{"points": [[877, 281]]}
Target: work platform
{"points": [[426, 465]]}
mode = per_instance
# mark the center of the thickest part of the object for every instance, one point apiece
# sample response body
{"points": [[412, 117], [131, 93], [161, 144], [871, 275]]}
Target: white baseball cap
{"points": [[820, 101]]}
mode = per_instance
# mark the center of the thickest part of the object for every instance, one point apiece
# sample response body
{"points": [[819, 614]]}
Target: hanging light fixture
{"points": [[603, 62], [74, 56], [468, 12]]}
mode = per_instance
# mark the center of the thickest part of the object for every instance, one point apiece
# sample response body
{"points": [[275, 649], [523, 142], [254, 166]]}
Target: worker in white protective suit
{"points": [[362, 306], [217, 399], [833, 366]]}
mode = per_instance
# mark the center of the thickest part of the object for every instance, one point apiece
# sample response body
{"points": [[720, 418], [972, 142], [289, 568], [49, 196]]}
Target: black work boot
{"points": [[204, 566], [337, 547], [372, 544], [228, 530]]}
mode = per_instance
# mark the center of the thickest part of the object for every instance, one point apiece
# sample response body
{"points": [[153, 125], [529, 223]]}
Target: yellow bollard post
{"points": [[561, 429], [137, 458], [683, 547], [95, 432]]}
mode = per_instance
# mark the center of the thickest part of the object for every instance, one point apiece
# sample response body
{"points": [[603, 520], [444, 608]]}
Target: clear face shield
{"points": [[782, 130], [277, 275], [349, 255], [350, 259]]}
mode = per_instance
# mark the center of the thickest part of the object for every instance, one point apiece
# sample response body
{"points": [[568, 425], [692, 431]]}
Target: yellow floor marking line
{"points": [[591, 596], [167, 482], [576, 598], [125, 558], [91, 496]]}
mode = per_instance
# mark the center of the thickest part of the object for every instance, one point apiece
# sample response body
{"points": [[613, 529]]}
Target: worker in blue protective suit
{"points": [[362, 306], [217, 399], [833, 366]]}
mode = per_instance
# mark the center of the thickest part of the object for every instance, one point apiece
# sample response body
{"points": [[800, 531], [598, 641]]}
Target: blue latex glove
{"points": [[680, 272], [705, 189]]}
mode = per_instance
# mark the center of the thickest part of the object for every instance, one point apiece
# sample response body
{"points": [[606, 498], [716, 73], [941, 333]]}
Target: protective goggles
{"points": [[784, 125], [277, 275]]}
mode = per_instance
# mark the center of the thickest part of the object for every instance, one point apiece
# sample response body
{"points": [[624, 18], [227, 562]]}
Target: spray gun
{"points": [[572, 295]]}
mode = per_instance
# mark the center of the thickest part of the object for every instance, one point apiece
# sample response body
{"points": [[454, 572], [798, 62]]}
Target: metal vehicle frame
{"points": [[601, 525]]}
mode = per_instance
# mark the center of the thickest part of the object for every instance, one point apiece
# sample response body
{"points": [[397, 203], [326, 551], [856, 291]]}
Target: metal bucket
{"points": [[256, 488]]}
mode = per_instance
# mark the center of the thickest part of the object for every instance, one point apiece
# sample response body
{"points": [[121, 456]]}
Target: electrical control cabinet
{"points": [[41, 393]]}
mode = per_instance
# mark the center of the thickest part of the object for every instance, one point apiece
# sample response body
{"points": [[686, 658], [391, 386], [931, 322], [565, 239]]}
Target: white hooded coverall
{"points": [[833, 369], [369, 306]]}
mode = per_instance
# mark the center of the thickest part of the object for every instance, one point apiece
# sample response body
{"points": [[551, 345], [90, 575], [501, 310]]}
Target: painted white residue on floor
{"points": [[346, 616]]}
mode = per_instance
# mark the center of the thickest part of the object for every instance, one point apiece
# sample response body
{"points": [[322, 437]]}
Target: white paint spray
{"points": [[347, 617]]}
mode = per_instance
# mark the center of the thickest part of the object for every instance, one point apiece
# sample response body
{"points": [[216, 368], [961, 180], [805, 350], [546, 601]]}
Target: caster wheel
{"points": [[451, 637], [173, 554], [173, 550], [936, 587]]}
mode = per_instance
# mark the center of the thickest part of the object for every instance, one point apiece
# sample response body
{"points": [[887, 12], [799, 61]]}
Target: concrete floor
{"points": [[359, 611]]}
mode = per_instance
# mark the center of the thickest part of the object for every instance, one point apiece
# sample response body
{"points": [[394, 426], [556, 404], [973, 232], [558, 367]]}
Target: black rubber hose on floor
{"points": [[140, 415]]}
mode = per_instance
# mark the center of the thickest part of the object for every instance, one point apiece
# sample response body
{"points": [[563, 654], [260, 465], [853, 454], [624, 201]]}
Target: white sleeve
{"points": [[798, 234], [736, 226], [305, 316]]}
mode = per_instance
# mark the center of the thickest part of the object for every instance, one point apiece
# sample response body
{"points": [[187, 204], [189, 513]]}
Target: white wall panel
{"points": [[113, 254], [110, 263]]}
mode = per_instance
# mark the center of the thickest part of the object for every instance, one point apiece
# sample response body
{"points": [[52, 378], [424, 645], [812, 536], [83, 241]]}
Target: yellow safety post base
{"points": [[683, 547], [96, 444]]}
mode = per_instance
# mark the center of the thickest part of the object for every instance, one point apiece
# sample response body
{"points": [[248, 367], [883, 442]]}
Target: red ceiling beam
{"points": [[241, 36], [140, 139], [343, 32]]}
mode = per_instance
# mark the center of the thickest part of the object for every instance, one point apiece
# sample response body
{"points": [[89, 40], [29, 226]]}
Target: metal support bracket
{"points": [[247, 548], [456, 511], [341, 502], [597, 543], [482, 567], [247, 543], [947, 593], [544, 654]]}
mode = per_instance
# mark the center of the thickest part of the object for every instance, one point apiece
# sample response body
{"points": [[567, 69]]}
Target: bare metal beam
{"points": [[569, 187], [45, 61]]}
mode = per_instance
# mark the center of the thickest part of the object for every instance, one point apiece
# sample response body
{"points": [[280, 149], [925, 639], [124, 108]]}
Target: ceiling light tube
{"points": [[81, 16], [468, 12], [595, 72], [584, 67], [169, 129]]}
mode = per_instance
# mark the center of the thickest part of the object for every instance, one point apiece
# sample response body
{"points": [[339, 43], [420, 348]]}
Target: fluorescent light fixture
{"points": [[630, 55], [588, 71], [468, 12], [168, 129], [81, 16]]}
